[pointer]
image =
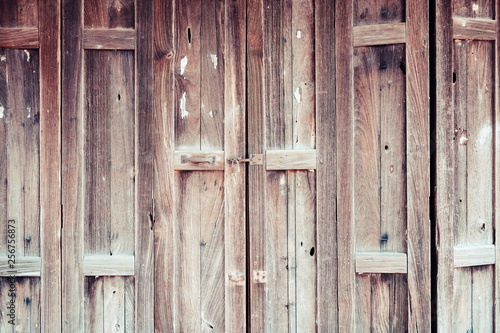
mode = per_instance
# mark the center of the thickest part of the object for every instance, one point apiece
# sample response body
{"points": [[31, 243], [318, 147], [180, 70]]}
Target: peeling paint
{"points": [[463, 138], [298, 94], [184, 62], [475, 7], [299, 34], [29, 111], [184, 113], [484, 135], [214, 59], [1, 112], [3, 58], [211, 113], [28, 55]]}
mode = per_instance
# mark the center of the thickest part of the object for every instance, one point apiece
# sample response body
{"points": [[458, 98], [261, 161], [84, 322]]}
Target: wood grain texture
{"points": [[366, 12], [25, 266], [473, 9], [474, 29], [109, 39], [50, 162], [3, 153], [256, 292], [109, 14], [164, 166], [466, 256], [445, 124], [380, 262], [326, 176], [235, 178], [26, 316], [102, 265], [379, 34], [144, 234], [418, 174], [290, 159], [496, 170], [20, 13], [199, 160], [73, 318], [113, 298], [19, 38]]}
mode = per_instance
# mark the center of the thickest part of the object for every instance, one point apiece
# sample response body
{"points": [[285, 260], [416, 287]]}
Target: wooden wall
{"points": [[249, 165]]}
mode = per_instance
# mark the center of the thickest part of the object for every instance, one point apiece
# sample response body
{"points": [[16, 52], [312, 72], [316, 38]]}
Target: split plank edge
{"points": [[102, 265], [24, 266], [467, 28], [19, 38], [291, 160], [109, 39], [467, 256], [381, 262], [379, 34]]}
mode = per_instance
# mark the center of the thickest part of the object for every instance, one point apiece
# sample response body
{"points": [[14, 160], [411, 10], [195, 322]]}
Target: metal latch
{"points": [[255, 159]]}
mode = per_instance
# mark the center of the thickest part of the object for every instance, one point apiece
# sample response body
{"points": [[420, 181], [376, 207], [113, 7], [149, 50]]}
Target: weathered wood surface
{"points": [[465, 28], [27, 305], [290, 159], [380, 34], [22, 13], [25, 266], [496, 168], [102, 265], [18, 38], [109, 39], [379, 262], [466, 256]]}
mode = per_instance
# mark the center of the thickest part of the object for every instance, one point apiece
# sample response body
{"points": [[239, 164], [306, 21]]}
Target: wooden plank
{"points": [[109, 14], [212, 75], [187, 242], [188, 74], [466, 256], [3, 150], [164, 166], [371, 12], [326, 177], [211, 187], [101, 265], [476, 9], [465, 28], [109, 39], [291, 159], [462, 277], [24, 266], [235, 178], [121, 152], [393, 180], [72, 168], [94, 304], [345, 166], [256, 292], [129, 305], [381, 262], [199, 160], [418, 174], [480, 107], [292, 252], [113, 298], [496, 170], [19, 38], [50, 162], [144, 99], [379, 34], [26, 312], [19, 13]]}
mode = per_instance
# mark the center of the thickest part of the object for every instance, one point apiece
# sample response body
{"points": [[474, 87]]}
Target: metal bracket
{"points": [[255, 159]]}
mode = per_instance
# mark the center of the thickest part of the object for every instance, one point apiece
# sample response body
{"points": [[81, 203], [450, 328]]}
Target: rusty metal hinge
{"points": [[255, 159]]}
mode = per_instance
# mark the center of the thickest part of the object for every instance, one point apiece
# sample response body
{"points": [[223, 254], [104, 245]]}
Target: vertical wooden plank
{"points": [[367, 179], [50, 162], [187, 69], [418, 176], [256, 174], [113, 300], [19, 13], [144, 239], [393, 177], [94, 304], [378, 11], [212, 251], [163, 166], [121, 155], [462, 310], [129, 305], [473, 9], [72, 168], [187, 244], [292, 253], [480, 101], [3, 148], [345, 166], [496, 170], [234, 175], [27, 305]]}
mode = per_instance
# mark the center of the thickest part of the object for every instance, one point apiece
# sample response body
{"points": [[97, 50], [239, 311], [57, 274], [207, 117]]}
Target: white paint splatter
{"points": [[211, 113], [29, 111], [28, 55], [299, 34], [184, 62], [464, 24], [1, 111], [475, 7], [214, 59], [184, 113], [3, 58], [298, 94], [484, 135]]}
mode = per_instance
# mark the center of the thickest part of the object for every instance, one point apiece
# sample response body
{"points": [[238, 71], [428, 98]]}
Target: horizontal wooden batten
{"points": [[381, 262], [290, 160], [109, 39], [379, 34], [102, 265], [19, 38], [199, 160], [23, 266], [466, 256], [467, 28]]}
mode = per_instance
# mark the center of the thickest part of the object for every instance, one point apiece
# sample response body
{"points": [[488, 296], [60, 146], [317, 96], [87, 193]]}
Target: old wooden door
{"points": [[467, 164]]}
